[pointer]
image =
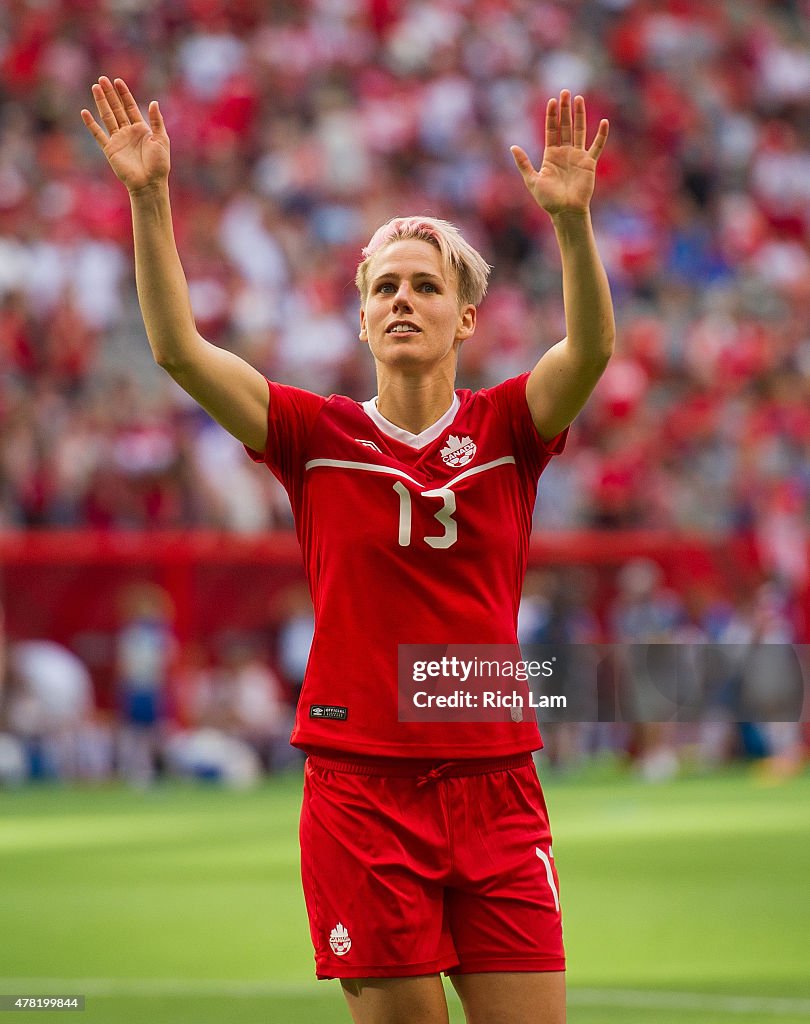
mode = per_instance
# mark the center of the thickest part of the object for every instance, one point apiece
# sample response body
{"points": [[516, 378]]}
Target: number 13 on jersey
{"points": [[444, 516]]}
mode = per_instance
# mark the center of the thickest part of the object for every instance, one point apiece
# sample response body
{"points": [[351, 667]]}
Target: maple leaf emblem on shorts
{"points": [[459, 451], [339, 940]]}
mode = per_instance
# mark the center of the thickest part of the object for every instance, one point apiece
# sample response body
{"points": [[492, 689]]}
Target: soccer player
{"points": [[425, 846]]}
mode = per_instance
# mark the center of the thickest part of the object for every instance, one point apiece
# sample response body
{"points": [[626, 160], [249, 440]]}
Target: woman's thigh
{"points": [[417, 1000], [531, 997]]}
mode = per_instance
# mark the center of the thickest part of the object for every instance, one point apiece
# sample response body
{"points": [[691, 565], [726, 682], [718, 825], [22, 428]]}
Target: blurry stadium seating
{"points": [[296, 129]]}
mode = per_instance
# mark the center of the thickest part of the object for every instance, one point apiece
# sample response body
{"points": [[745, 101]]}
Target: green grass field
{"points": [[686, 902]]}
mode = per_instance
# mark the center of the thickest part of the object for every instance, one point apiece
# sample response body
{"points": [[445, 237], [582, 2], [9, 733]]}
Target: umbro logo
{"points": [[459, 451], [368, 444], [333, 711], [340, 940]]}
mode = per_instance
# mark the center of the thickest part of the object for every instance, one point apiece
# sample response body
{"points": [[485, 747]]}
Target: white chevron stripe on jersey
{"points": [[369, 467], [366, 467], [480, 469]]}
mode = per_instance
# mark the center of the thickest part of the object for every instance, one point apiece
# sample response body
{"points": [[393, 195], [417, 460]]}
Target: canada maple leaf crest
{"points": [[459, 451], [339, 940]]}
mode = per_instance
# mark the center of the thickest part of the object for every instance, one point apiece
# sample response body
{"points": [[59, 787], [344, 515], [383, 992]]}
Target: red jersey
{"points": [[407, 539]]}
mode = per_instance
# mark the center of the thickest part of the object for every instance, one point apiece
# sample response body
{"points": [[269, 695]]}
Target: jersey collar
{"points": [[416, 441]]}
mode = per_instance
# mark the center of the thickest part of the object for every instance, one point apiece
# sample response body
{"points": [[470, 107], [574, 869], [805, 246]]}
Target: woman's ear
{"points": [[363, 335], [466, 323]]}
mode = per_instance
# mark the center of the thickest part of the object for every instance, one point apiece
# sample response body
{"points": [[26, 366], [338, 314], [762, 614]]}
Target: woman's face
{"points": [[411, 315]]}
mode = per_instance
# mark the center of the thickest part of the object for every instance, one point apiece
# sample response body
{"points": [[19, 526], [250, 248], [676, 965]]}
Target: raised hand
{"points": [[138, 152], [566, 177]]}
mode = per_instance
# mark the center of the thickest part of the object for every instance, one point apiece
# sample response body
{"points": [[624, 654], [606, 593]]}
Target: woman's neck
{"points": [[414, 405]]}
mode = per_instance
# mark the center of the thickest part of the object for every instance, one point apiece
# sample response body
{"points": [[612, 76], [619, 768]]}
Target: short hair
{"points": [[458, 256]]}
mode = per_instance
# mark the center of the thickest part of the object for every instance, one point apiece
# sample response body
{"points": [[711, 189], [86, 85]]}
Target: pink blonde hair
{"points": [[458, 256]]}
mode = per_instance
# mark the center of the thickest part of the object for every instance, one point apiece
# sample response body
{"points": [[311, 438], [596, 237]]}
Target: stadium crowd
{"points": [[223, 712], [297, 128]]}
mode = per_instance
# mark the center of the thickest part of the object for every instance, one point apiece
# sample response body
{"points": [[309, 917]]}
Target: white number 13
{"points": [[444, 516]]}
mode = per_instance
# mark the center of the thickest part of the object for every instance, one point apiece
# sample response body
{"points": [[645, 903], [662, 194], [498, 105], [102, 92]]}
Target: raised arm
{"points": [[562, 380], [234, 393]]}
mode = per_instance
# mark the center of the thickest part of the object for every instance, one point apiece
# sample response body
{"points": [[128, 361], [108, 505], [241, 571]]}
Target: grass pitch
{"points": [[684, 902]]}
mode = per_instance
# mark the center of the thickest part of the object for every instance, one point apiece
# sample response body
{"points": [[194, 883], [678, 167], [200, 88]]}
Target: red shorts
{"points": [[414, 868]]}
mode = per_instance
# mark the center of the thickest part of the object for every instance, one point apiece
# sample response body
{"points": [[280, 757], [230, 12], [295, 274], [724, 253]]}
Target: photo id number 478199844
{"points": [[49, 1003]]}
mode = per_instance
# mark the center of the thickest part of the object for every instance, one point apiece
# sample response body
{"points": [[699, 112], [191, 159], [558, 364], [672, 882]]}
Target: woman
{"points": [[425, 847]]}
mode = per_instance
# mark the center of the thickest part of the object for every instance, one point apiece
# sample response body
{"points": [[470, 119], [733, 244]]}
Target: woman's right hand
{"points": [[138, 152]]}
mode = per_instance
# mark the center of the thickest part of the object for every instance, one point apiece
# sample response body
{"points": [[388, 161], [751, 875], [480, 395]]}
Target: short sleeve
{"points": [[510, 400], [291, 414]]}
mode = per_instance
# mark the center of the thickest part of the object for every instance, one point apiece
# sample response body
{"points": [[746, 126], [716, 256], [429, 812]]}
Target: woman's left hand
{"points": [[566, 177]]}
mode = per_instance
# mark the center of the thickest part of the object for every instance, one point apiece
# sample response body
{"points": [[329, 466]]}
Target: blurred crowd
{"points": [[221, 713], [297, 128], [656, 685]]}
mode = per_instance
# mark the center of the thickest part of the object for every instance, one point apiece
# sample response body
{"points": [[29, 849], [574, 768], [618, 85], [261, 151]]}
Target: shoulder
{"points": [[507, 396], [508, 404]]}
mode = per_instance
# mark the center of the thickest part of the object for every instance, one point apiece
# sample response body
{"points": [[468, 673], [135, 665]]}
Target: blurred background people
{"points": [[299, 127], [13, 760], [645, 612], [145, 652], [50, 706], [243, 697]]}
